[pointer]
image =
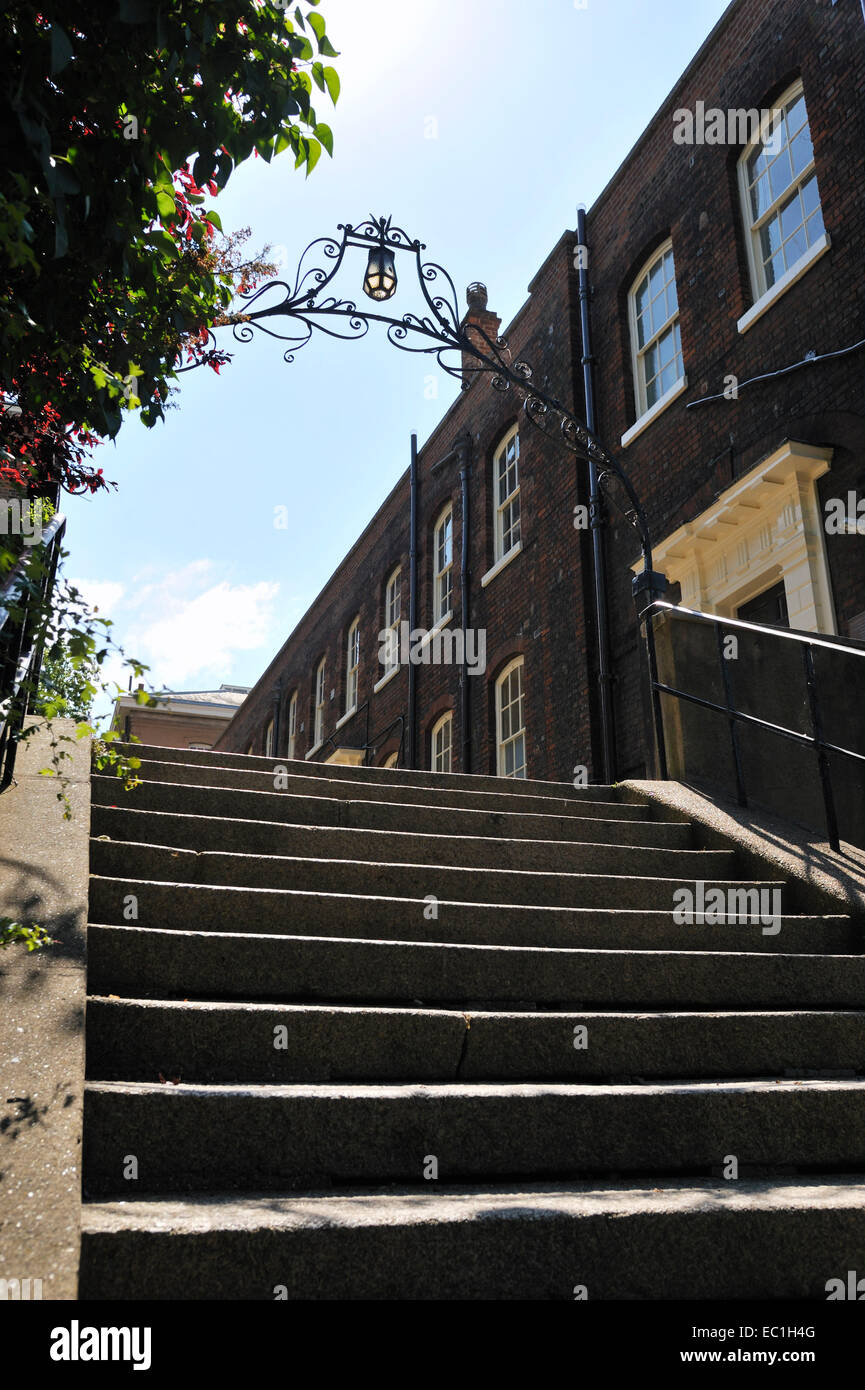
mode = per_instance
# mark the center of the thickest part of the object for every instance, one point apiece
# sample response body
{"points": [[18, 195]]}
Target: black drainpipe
{"points": [[596, 517], [411, 740], [465, 690]]}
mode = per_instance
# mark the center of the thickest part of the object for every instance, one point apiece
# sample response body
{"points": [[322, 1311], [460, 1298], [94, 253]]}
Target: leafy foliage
{"points": [[120, 122], [34, 937]]}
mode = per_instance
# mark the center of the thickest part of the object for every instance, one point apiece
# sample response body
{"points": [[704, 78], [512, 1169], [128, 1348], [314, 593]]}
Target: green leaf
{"points": [[317, 25], [312, 156], [317, 71], [325, 135], [327, 48], [215, 218], [331, 77]]}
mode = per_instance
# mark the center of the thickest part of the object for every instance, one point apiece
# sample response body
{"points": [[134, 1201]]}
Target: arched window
{"points": [[352, 666], [443, 560], [656, 342], [780, 199], [511, 722], [292, 725], [441, 749], [507, 494], [392, 610], [318, 722], [390, 760], [268, 740]]}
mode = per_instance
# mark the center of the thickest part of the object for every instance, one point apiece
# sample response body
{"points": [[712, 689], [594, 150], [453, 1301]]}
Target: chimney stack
{"points": [[483, 318]]}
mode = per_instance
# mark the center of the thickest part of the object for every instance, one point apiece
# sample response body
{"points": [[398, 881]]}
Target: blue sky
{"points": [[480, 125]]}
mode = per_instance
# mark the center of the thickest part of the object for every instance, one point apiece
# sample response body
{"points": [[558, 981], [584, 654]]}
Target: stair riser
{"points": [[267, 837], [267, 803], [508, 794], [175, 964], [187, 907], [534, 1253], [127, 1041], [187, 1140], [328, 772], [586, 885]]}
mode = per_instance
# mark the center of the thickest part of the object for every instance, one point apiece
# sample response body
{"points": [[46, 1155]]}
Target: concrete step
{"points": [[189, 1138], [163, 785], [136, 1039], [281, 808], [442, 846], [372, 776], [664, 1240], [575, 875], [128, 960], [177, 906]]}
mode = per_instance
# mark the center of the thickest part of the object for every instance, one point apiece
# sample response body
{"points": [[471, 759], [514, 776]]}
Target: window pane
{"points": [[801, 151], [791, 217], [796, 114], [761, 199], [810, 195], [814, 227], [779, 175]]}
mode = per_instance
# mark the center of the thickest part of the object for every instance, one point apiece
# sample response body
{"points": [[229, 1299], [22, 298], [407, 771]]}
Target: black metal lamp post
{"points": [[461, 350]]}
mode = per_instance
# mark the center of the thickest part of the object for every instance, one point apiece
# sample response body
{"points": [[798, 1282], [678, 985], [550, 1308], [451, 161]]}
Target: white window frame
{"points": [[292, 725], [503, 743], [511, 501], [392, 613], [443, 579], [268, 740], [638, 354], [318, 722], [352, 667], [755, 224], [442, 743]]}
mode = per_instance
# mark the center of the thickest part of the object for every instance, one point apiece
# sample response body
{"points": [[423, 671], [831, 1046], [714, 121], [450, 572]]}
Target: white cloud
{"points": [[185, 627], [204, 633], [100, 593]]}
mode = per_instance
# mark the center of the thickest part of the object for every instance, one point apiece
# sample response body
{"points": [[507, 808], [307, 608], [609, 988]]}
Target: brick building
{"points": [[181, 718], [726, 315]]}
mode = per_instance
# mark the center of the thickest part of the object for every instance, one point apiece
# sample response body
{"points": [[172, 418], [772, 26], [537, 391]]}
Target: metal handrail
{"points": [[333, 740], [821, 746], [22, 638]]}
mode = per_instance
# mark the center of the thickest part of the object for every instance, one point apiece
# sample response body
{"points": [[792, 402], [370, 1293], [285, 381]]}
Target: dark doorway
{"points": [[770, 607]]}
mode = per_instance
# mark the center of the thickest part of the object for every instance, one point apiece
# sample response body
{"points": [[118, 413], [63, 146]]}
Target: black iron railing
{"points": [[737, 718], [370, 743], [24, 595]]}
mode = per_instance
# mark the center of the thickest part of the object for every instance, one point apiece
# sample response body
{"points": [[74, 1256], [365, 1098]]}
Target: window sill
{"points": [[652, 414], [349, 714], [500, 564], [314, 749], [388, 676], [796, 271], [442, 622]]}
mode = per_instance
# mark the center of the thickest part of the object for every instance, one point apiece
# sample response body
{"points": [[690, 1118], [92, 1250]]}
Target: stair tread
{"points": [[479, 1090], [362, 1206]]}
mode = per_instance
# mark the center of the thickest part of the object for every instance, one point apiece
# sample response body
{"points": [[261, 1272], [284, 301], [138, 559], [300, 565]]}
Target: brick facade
{"points": [[540, 605]]}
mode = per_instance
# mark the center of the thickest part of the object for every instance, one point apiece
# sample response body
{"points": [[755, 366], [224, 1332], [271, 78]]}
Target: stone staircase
{"points": [[357, 1033]]}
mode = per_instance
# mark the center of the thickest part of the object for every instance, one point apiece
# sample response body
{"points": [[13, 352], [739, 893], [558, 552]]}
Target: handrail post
{"points": [[822, 760], [728, 700]]}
